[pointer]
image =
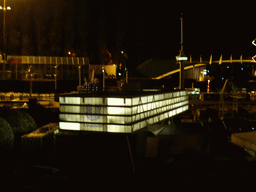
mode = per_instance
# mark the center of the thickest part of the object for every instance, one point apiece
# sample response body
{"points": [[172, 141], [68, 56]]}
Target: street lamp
{"points": [[181, 58], [4, 8]]}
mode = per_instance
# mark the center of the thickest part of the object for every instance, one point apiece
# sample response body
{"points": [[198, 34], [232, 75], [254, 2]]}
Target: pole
{"points": [[208, 86], [193, 72], [126, 76], [181, 30], [181, 81], [56, 76], [30, 86], [4, 38], [103, 83], [79, 72]]}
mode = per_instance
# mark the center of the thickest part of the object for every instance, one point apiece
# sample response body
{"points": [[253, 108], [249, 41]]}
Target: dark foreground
{"points": [[78, 164]]}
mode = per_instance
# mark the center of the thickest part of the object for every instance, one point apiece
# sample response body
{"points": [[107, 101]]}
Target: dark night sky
{"points": [[144, 29]]}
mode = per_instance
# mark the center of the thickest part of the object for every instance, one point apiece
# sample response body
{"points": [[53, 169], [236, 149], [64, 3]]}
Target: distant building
{"points": [[43, 68]]}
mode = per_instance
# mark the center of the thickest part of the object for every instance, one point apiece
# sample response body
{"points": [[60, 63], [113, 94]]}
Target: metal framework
{"points": [[232, 94], [54, 63], [48, 60], [201, 63]]}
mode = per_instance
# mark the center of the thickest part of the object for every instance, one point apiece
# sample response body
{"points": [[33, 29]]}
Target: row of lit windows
{"points": [[120, 128], [119, 114], [115, 114], [120, 101], [94, 109]]}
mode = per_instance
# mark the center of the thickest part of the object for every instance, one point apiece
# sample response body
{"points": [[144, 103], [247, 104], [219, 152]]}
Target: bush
{"points": [[6, 136], [20, 121]]}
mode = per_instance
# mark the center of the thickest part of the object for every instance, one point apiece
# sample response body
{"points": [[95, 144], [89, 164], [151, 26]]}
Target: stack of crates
{"points": [[39, 142]]}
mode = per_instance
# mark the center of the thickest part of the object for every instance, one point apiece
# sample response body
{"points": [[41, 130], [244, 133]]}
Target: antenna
{"points": [[181, 31]]}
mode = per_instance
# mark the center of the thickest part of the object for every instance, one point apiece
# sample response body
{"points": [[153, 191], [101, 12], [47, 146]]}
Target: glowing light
{"points": [[69, 126], [178, 58], [208, 86], [116, 110], [8, 8], [123, 115], [254, 57], [253, 42]]}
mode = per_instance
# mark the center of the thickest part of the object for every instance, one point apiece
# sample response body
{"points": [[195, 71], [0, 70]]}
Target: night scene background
{"points": [[143, 30], [192, 143]]}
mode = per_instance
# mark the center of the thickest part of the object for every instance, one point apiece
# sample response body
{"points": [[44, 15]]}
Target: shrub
{"points": [[6, 136], [20, 121]]}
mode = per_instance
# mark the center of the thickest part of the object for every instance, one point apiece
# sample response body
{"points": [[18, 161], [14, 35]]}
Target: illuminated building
{"points": [[119, 112]]}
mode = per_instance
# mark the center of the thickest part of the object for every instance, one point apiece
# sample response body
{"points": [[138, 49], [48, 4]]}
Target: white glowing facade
{"points": [[119, 114]]}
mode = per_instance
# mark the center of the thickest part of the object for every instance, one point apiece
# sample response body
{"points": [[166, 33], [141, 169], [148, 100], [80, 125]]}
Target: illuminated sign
{"points": [[254, 57], [181, 58]]}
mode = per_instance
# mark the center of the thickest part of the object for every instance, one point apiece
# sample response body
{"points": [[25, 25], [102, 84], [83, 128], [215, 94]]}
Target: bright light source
{"points": [[253, 58], [1, 7], [227, 66], [8, 8], [122, 52], [69, 53], [242, 69], [178, 58], [69, 126], [253, 42], [124, 115]]}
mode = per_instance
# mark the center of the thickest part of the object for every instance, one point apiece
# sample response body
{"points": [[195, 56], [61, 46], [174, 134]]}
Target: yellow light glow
{"points": [[69, 126], [254, 58], [119, 129], [115, 101], [116, 110], [253, 42], [135, 101], [145, 110]]}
